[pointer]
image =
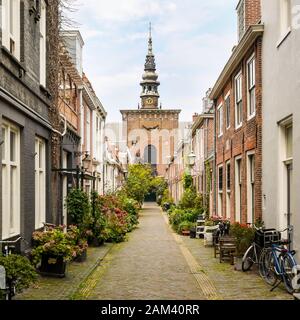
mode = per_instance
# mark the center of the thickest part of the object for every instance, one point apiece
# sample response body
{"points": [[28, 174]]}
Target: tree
{"points": [[139, 182]]}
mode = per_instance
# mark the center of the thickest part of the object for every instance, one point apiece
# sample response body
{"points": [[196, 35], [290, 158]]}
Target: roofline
{"points": [[151, 110], [73, 33], [251, 35]]}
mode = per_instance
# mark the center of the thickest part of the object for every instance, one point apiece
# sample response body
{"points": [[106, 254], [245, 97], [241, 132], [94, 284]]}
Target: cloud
{"points": [[192, 41]]}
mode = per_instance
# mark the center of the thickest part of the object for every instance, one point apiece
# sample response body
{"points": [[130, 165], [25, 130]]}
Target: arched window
{"points": [[150, 155]]}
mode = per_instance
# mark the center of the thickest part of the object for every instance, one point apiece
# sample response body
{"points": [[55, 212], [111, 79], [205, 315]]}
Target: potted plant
{"points": [[19, 272], [52, 251], [185, 227], [244, 236]]}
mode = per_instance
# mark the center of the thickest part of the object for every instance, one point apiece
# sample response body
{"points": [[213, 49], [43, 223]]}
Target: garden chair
{"points": [[226, 248]]}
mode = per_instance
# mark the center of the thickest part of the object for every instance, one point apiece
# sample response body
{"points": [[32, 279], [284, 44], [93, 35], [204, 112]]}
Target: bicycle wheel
{"points": [[248, 259], [288, 263], [267, 267]]}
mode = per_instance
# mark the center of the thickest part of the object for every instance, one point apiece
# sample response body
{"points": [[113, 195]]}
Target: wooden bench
{"points": [[226, 248]]}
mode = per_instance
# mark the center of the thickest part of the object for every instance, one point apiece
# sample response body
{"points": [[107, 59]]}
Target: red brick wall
{"points": [[252, 12], [237, 142]]}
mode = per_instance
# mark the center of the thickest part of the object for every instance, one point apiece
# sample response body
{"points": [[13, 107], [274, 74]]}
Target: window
{"points": [[11, 26], [238, 101], [43, 44], [251, 87], [220, 120], [238, 189], [285, 17], [289, 141], [251, 186], [227, 106], [11, 180], [228, 187], [88, 129], [40, 182], [220, 191]]}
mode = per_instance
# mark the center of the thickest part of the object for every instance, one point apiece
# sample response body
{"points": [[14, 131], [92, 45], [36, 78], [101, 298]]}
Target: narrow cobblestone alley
{"points": [[149, 266], [154, 264]]}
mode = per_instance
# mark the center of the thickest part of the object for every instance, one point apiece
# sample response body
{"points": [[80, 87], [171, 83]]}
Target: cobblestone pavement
{"points": [[66, 288], [149, 266], [231, 284], [154, 263]]}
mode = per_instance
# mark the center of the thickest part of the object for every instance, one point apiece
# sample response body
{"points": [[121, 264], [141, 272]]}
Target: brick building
{"points": [[28, 89], [237, 97], [150, 130]]}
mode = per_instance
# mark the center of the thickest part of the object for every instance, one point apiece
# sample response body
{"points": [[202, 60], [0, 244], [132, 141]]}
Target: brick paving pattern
{"points": [[154, 264], [64, 289]]}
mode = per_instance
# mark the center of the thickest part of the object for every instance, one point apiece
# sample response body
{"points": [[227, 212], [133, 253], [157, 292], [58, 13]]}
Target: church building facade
{"points": [[151, 132]]}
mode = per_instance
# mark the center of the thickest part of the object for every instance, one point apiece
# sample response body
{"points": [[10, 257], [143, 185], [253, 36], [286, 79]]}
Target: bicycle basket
{"points": [[265, 238]]}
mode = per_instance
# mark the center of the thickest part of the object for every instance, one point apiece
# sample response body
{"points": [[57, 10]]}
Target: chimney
{"points": [[195, 117], [248, 13]]}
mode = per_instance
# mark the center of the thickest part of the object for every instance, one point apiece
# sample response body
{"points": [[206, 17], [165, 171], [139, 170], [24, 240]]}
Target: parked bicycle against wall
{"points": [[277, 264], [8, 248], [263, 238]]}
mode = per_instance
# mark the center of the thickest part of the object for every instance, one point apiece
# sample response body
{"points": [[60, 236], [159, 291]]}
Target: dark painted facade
{"points": [[25, 103]]}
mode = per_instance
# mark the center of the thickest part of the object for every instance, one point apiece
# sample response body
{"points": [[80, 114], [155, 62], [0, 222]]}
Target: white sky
{"points": [[192, 41]]}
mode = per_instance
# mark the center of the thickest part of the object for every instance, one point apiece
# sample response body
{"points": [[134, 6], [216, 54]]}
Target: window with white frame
{"points": [[43, 43], [285, 17], [220, 120], [228, 188], [228, 110], [88, 129], [251, 187], [251, 87], [11, 26], [220, 190], [10, 180], [238, 101], [238, 189], [40, 182]]}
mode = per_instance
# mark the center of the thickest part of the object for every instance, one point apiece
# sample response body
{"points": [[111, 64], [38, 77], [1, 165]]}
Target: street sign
{"points": [[2, 278]]}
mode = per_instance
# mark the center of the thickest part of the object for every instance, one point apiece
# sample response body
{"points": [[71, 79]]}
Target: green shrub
{"points": [[244, 237], [78, 205], [19, 270]]}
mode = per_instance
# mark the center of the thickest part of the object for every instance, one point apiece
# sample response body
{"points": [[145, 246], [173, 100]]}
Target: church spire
{"points": [[150, 84]]}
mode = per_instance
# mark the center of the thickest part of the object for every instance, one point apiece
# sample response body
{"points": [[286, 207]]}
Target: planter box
{"points": [[53, 266], [95, 242], [82, 257], [185, 233]]}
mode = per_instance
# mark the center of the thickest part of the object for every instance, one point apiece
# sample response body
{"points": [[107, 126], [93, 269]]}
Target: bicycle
{"points": [[262, 239], [9, 248], [277, 264]]}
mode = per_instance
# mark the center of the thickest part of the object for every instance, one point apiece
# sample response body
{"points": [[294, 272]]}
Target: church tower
{"points": [[150, 95], [150, 131]]}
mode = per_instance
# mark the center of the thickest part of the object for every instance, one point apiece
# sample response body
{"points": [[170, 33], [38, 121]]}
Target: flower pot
{"points": [[185, 233], [82, 257], [238, 263], [53, 266]]}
